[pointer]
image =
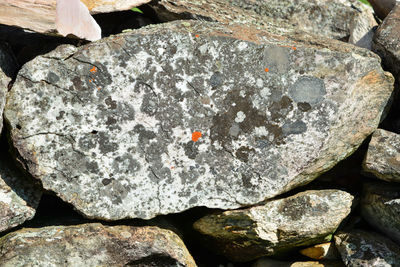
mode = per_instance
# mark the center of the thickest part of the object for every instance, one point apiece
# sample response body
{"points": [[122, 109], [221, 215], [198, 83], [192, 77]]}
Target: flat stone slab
{"points": [[279, 226], [187, 114], [380, 207], [94, 245], [361, 248], [19, 196], [383, 156]]}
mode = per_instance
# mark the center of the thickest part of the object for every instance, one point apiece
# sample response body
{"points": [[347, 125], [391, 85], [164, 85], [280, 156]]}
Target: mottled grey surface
{"points": [[346, 20], [280, 225], [367, 249], [19, 196], [93, 245], [380, 207], [383, 156], [114, 126]]}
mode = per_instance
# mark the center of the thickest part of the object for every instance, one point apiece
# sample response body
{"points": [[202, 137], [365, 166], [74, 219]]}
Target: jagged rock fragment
{"points": [[380, 207], [382, 7], [325, 251], [186, 114], [280, 225], [361, 248], [94, 245], [383, 156]]}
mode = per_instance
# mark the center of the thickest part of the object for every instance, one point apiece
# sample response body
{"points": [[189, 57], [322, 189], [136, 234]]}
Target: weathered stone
{"points": [[367, 249], [19, 196], [265, 262], [382, 7], [279, 226], [383, 156], [347, 20], [326, 251], [186, 114], [380, 207], [94, 245]]}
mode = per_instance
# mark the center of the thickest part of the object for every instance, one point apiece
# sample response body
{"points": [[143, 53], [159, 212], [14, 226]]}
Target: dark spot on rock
{"points": [[298, 207], [18, 127], [52, 77], [308, 89], [111, 121], [112, 104], [281, 108], [193, 200], [246, 181], [296, 127], [149, 104], [125, 164], [94, 132], [144, 135], [243, 153], [106, 181], [92, 167], [60, 115], [105, 145], [304, 106], [216, 80], [191, 150], [78, 84]]}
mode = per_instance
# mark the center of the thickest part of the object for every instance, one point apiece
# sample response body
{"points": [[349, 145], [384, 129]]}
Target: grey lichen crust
{"points": [[279, 226], [383, 156], [189, 114]]}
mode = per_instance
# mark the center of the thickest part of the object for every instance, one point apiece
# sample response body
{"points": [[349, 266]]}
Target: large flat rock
{"points": [[383, 156], [93, 245], [279, 226], [187, 114]]}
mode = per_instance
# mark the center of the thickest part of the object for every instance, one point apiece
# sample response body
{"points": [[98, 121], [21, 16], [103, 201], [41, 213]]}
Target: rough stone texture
{"points": [[367, 249], [114, 127], [94, 245], [326, 251], [382, 7], [280, 225], [339, 19], [383, 156], [380, 207], [265, 262], [19, 196]]}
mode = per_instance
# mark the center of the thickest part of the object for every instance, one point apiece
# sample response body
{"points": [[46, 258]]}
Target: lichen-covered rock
{"points": [[280, 225], [367, 249], [19, 196], [380, 207], [347, 20], [94, 245], [383, 156], [187, 114]]}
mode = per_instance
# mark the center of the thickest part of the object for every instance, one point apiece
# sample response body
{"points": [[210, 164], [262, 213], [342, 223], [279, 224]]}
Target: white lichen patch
{"points": [[240, 116]]}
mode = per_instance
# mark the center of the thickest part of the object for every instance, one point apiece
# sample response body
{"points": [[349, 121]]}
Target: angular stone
{"points": [[380, 207], [19, 196], [325, 251], [94, 245], [337, 19], [361, 248], [187, 114], [382, 7], [308, 218], [265, 262], [383, 156]]}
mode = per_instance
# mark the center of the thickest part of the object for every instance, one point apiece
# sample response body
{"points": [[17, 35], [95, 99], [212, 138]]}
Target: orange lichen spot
{"points": [[93, 70], [197, 36], [196, 136], [172, 167], [266, 69], [90, 80], [98, 88], [294, 48]]}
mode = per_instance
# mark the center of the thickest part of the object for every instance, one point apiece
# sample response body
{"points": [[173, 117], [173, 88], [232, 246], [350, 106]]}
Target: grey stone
{"points": [[94, 245], [383, 156], [19, 196], [367, 249], [186, 114], [279, 226], [346, 20], [380, 207]]}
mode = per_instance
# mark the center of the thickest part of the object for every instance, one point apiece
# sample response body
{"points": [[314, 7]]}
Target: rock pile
{"points": [[227, 105]]}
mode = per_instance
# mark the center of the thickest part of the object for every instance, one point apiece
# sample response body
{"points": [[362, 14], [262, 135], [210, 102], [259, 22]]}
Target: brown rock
{"points": [[326, 251], [382, 7]]}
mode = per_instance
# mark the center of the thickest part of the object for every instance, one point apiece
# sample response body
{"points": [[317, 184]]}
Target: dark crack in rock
{"points": [[308, 218], [361, 248], [94, 245], [383, 156], [186, 114]]}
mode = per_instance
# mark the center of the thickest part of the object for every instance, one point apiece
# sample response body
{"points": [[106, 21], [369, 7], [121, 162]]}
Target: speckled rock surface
{"points": [[19, 196], [383, 156], [338, 19], [94, 245], [367, 249], [280, 225], [187, 114], [266, 262], [380, 207]]}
